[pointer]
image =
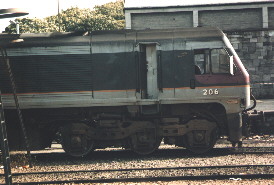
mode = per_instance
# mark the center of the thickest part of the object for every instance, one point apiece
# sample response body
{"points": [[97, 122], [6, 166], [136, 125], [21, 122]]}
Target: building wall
{"points": [[231, 19], [142, 21], [271, 17]]}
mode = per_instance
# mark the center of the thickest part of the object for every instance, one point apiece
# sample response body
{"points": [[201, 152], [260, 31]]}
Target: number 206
{"points": [[210, 92]]}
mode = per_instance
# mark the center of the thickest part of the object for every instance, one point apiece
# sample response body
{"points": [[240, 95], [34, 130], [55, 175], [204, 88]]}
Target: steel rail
{"points": [[160, 178], [143, 169], [175, 152], [251, 150]]}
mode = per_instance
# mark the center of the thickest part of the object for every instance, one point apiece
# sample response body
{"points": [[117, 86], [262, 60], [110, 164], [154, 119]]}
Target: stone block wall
{"points": [[256, 50]]}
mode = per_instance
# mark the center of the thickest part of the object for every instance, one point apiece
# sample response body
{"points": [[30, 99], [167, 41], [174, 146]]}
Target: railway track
{"points": [[208, 171], [158, 153], [149, 174]]}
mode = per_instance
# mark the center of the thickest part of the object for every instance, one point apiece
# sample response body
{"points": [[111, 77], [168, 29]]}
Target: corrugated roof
{"points": [[166, 3]]}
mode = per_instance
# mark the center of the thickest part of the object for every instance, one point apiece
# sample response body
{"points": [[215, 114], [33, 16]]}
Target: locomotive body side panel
{"points": [[114, 65], [83, 72]]}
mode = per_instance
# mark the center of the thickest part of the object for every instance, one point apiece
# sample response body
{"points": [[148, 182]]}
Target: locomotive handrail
{"points": [[137, 63], [160, 72]]}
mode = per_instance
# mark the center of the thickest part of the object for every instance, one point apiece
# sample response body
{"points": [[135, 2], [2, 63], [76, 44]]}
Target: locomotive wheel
{"points": [[145, 141], [75, 139], [201, 141]]}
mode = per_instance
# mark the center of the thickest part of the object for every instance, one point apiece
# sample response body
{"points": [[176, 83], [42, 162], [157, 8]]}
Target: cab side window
{"points": [[211, 61], [220, 61], [201, 61]]}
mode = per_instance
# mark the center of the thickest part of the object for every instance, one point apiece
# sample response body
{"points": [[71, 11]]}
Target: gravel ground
{"points": [[145, 173], [173, 159], [113, 160]]}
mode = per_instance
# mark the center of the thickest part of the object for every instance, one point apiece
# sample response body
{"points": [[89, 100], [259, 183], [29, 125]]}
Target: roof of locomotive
{"points": [[157, 34], [45, 39]]}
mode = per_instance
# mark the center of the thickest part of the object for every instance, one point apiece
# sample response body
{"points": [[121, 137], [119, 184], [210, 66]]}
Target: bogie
{"points": [[145, 140], [76, 140], [201, 139]]}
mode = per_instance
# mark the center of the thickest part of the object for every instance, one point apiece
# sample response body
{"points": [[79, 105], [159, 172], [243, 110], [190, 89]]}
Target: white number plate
{"points": [[210, 92]]}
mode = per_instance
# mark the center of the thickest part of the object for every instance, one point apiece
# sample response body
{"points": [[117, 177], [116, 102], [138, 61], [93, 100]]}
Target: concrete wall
{"points": [[271, 17], [162, 20], [231, 19]]}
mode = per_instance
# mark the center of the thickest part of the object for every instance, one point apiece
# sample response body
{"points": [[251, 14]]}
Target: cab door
{"points": [[147, 73], [152, 85]]}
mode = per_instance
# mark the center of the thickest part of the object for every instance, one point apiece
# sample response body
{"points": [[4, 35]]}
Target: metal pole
{"points": [[19, 113], [5, 146], [59, 16]]}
